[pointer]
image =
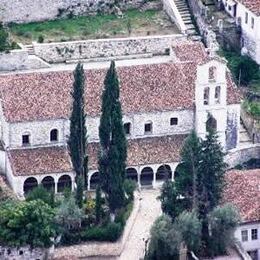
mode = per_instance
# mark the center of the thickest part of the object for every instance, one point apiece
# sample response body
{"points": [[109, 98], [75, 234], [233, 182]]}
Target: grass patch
{"points": [[133, 22]]}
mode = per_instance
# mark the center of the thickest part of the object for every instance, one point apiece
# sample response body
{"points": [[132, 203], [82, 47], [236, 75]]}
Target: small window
{"points": [[54, 135], [174, 121], [246, 17], [148, 128], [244, 235], [217, 95], [254, 235], [212, 73], [252, 23], [127, 127], [206, 96], [26, 139]]}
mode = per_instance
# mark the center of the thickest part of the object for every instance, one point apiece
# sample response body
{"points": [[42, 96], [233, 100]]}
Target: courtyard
{"points": [[131, 23]]}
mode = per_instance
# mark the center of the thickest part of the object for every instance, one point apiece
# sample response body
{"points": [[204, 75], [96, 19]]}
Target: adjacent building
{"points": [[247, 15], [243, 190], [162, 101]]}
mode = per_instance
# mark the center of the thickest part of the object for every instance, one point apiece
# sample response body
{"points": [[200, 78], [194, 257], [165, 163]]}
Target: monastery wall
{"points": [[23, 253], [104, 48], [25, 11], [39, 131]]}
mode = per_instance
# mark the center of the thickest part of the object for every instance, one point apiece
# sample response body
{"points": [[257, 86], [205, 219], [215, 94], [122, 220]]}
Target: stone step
{"points": [[190, 26], [182, 9], [184, 13], [187, 22]]}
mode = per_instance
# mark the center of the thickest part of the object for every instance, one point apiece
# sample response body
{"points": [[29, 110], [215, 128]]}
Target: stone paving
{"points": [[150, 209]]}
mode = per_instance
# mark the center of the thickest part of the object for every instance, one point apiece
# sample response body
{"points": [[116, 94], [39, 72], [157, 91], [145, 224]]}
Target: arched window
{"points": [[211, 124], [206, 96], [54, 135], [212, 73], [146, 177], [94, 180], [217, 94], [131, 173], [29, 184]]}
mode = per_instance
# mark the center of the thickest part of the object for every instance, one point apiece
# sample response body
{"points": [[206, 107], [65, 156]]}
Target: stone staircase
{"points": [[244, 138], [185, 13], [30, 49]]}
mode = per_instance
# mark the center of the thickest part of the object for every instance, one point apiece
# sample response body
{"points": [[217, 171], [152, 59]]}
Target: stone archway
{"points": [[29, 184], [64, 182], [94, 181], [48, 183], [164, 173], [131, 174], [146, 177]]}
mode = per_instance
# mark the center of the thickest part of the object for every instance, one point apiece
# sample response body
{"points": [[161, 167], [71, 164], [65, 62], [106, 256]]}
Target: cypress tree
{"points": [[98, 204], [78, 132], [113, 145], [210, 182]]}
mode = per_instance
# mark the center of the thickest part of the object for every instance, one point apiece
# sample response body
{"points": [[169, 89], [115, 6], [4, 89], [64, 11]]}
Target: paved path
{"points": [[150, 209]]}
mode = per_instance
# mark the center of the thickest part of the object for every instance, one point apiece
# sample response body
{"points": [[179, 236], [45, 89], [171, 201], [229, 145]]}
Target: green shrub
{"points": [[243, 68], [40, 193], [130, 187], [223, 221], [40, 39], [3, 38], [26, 223]]}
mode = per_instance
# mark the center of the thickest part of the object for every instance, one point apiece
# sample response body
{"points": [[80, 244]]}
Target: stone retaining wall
{"points": [[242, 155], [252, 126], [25, 11], [104, 48], [104, 249]]}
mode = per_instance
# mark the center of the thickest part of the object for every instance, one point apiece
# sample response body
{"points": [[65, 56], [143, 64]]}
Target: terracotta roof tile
{"points": [[143, 151], [243, 190], [144, 88], [39, 161]]}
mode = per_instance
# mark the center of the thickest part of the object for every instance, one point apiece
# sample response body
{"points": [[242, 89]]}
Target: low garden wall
{"points": [[104, 48], [102, 249], [23, 253]]}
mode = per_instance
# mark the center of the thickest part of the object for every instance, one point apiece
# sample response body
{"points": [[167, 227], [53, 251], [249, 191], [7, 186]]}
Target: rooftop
{"points": [[43, 95], [243, 190], [44, 160]]}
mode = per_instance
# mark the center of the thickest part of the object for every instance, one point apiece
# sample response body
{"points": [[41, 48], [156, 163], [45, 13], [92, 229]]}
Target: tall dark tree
{"points": [[186, 181], [78, 132], [113, 145], [210, 181]]}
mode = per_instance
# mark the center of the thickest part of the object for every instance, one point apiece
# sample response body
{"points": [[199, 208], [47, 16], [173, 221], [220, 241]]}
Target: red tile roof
{"points": [[243, 190], [36, 161], [144, 88], [150, 150], [252, 5]]}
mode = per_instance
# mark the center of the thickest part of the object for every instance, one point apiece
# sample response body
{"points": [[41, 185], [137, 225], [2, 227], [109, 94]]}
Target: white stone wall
{"points": [[250, 245], [104, 48], [23, 253], [218, 111], [40, 130], [20, 60], [24, 11], [174, 14]]}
